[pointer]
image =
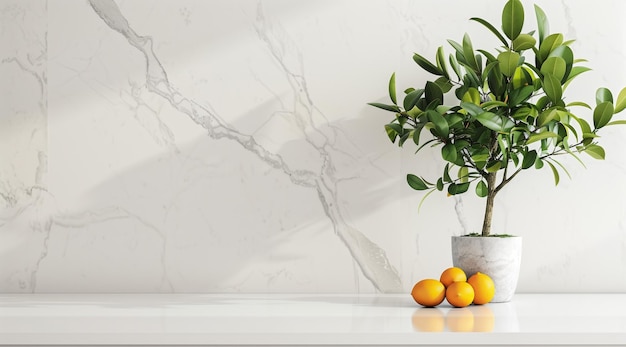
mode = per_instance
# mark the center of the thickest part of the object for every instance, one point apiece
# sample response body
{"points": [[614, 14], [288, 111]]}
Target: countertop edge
{"points": [[368, 339]]}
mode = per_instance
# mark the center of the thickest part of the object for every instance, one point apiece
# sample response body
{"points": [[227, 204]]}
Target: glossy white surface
{"points": [[534, 319]]}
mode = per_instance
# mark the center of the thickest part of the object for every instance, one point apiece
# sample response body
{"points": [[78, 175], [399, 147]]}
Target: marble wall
{"points": [[226, 146]]}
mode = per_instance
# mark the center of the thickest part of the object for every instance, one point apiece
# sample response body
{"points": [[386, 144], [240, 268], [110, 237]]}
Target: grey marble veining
{"points": [[371, 259], [226, 147]]}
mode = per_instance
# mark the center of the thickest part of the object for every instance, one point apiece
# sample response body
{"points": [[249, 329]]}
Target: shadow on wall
{"points": [[168, 217], [223, 215], [211, 216]]}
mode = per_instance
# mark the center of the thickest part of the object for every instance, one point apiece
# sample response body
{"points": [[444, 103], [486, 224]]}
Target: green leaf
{"points": [[542, 103], [518, 96], [401, 119], [515, 158], [529, 159], [472, 95], [416, 182], [433, 92], [481, 189], [440, 184], [533, 68], [563, 167], [584, 126], [621, 101], [617, 122], [446, 174], [503, 148], [433, 105], [441, 125], [554, 66], [426, 143], [565, 53], [490, 120], [448, 152], [602, 95], [404, 137], [587, 139], [414, 112], [459, 50], [419, 207], [411, 98], [455, 189], [488, 105], [521, 113], [552, 87], [548, 45], [472, 108], [519, 78], [480, 157], [392, 88], [512, 18], [595, 151], [455, 66], [479, 62], [523, 42], [416, 133], [490, 57], [468, 52], [392, 108], [494, 166], [546, 117], [441, 62], [577, 70], [491, 28], [427, 65], [454, 119], [444, 84], [540, 136], [393, 130], [463, 174], [578, 103], [542, 23], [496, 80], [473, 78], [462, 188], [508, 62], [571, 129], [602, 114], [491, 65], [555, 173]]}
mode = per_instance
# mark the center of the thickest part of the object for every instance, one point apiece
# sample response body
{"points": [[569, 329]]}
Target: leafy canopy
{"points": [[508, 112]]}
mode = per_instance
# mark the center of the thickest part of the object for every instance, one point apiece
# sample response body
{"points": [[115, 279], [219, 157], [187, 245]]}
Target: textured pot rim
{"points": [[495, 236]]}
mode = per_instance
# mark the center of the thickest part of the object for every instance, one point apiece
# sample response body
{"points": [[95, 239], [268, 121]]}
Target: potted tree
{"points": [[509, 115]]}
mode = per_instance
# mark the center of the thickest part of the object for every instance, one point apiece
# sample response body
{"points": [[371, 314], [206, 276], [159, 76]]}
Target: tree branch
{"points": [[507, 180]]}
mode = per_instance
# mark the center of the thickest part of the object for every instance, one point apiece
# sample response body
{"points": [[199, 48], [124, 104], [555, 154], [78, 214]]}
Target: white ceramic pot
{"points": [[498, 257]]}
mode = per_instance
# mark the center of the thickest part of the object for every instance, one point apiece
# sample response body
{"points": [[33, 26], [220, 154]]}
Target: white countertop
{"points": [[293, 319]]}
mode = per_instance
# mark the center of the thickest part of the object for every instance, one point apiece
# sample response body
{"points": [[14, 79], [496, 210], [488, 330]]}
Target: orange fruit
{"points": [[428, 292], [451, 275], [484, 288], [460, 294]]}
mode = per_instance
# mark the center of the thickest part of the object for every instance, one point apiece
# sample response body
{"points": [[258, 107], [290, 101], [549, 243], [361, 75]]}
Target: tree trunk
{"points": [[491, 194]]}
